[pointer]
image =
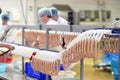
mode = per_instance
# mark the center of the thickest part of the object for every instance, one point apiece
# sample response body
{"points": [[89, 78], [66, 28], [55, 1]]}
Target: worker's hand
{"points": [[10, 47], [1, 52], [35, 43]]}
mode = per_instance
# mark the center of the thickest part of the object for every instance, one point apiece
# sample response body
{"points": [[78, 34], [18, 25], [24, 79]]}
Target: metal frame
{"points": [[22, 56], [67, 28]]}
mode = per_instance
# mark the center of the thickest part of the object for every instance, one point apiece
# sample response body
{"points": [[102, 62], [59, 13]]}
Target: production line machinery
{"points": [[88, 39]]}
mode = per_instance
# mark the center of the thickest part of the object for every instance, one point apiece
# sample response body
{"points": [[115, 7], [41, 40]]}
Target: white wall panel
{"points": [[76, 5], [12, 6]]}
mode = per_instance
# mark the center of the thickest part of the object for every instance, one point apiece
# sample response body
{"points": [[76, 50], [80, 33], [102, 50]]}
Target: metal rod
{"points": [[25, 26], [71, 28], [47, 38], [22, 56], [82, 69], [119, 61], [47, 45], [40, 27]]}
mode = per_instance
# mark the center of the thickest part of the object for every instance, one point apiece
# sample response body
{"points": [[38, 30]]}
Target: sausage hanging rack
{"points": [[75, 28]]}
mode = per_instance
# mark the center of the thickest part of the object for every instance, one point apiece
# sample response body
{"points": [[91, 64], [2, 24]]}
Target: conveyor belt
{"points": [[41, 53]]}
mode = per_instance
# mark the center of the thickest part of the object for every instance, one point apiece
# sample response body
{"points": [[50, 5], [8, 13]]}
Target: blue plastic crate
{"points": [[35, 74], [43, 77], [114, 65], [106, 57], [30, 72], [116, 30], [115, 76]]}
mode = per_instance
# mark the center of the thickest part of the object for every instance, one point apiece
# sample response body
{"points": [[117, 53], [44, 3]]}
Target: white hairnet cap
{"points": [[44, 11], [54, 11], [4, 16]]}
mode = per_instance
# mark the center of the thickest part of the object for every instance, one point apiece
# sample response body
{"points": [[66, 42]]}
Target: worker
{"points": [[3, 24], [4, 19], [7, 46], [56, 16], [45, 17]]}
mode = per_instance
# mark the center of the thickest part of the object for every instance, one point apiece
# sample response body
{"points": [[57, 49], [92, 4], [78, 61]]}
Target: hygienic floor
{"points": [[91, 73]]}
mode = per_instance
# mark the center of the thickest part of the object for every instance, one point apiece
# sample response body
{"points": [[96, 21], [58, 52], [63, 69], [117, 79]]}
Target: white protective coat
{"points": [[52, 22], [62, 21]]}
